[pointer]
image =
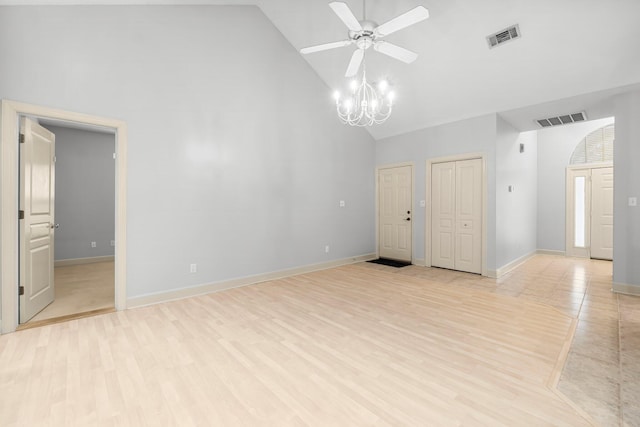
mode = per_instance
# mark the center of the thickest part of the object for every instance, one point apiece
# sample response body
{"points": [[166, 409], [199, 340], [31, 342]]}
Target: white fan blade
{"points": [[396, 52], [354, 64], [344, 13], [325, 46], [411, 17]]}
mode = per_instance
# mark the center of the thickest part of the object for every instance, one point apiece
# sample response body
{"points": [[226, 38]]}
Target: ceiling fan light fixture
{"points": [[368, 103]]}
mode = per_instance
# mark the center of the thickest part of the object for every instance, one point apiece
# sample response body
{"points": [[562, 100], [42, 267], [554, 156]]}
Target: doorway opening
{"points": [[82, 233], [10, 113]]}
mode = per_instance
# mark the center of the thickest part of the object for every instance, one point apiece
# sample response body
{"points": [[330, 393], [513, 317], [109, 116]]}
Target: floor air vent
{"points": [[504, 36], [562, 120]]}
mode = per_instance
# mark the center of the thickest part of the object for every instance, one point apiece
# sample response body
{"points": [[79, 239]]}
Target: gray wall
{"points": [[476, 135], [555, 146], [515, 210], [236, 160], [626, 152], [85, 193]]}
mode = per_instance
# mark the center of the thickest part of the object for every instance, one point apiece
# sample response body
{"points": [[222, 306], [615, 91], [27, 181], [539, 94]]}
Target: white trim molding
{"points": [[165, 296], [624, 288], [511, 265], [80, 261], [10, 112], [550, 252]]}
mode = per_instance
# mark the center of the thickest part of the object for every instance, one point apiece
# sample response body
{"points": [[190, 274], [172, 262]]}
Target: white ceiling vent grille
{"points": [[504, 36], [562, 120]]}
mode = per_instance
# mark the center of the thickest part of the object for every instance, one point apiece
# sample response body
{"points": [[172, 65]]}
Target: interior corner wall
{"points": [[475, 135], [516, 193], [236, 161], [84, 193], [555, 146], [626, 152]]}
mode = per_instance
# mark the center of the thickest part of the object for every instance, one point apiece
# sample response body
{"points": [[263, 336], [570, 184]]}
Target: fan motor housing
{"points": [[365, 37]]}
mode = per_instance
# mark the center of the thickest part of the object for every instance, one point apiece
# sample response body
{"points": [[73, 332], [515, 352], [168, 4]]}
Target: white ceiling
{"points": [[576, 51]]}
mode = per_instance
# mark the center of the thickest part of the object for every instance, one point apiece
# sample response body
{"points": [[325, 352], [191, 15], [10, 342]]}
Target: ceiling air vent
{"points": [[504, 36], [562, 120]]}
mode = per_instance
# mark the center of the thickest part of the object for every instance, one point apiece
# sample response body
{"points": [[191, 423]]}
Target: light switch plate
{"points": [[633, 201], [342, 204], [423, 203]]}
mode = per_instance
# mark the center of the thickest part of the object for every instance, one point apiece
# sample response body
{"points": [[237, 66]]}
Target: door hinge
{"points": [[20, 214], [21, 138], [20, 290]]}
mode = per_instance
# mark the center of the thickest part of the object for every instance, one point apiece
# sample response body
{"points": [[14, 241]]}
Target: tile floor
{"points": [[602, 371]]}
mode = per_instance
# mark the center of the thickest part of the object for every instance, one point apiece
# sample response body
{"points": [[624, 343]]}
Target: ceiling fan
{"points": [[365, 34]]}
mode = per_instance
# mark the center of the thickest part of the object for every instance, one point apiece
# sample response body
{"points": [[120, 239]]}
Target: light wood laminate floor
{"points": [[355, 345], [80, 288]]}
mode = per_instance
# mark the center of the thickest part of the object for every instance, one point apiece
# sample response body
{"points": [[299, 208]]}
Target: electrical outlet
{"points": [[342, 204], [633, 201], [326, 249], [193, 268], [113, 243], [93, 244]]}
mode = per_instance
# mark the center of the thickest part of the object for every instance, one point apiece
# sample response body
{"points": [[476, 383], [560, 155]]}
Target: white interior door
{"points": [[37, 194], [443, 214], [456, 215], [395, 201], [602, 213], [468, 249]]}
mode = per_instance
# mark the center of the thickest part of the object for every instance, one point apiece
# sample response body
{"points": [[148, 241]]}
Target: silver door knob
{"points": [[55, 225]]}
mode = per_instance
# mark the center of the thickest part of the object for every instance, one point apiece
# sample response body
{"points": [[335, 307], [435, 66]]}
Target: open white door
{"points": [[37, 188], [395, 201]]}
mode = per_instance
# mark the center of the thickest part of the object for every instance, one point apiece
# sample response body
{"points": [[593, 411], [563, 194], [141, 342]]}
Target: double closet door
{"points": [[456, 215]]}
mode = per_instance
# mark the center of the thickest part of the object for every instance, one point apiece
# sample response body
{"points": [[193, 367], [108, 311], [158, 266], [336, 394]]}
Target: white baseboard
{"points": [[160, 297], [78, 261], [510, 266], [623, 288], [550, 252]]}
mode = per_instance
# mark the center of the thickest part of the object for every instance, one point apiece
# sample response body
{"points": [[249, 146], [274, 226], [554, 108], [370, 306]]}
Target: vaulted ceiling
{"points": [[572, 55]]}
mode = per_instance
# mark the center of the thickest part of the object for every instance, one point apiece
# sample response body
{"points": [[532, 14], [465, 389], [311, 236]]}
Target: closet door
{"points": [[456, 215], [443, 214], [468, 247]]}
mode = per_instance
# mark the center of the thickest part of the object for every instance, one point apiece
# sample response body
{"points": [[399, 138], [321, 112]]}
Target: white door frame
{"points": [[10, 111], [427, 225], [569, 249], [394, 165]]}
